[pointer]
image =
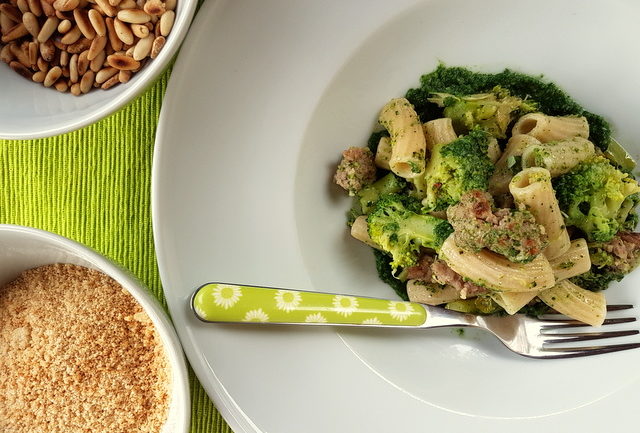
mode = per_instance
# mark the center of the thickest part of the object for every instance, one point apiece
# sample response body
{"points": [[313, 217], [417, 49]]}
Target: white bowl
{"points": [[29, 110], [23, 248]]}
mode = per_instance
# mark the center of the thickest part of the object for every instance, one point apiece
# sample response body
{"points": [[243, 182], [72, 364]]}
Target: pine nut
{"points": [[123, 31], [133, 16], [127, 4], [30, 22], [158, 44], [38, 77], [97, 45], [87, 81], [114, 40], [110, 83], [143, 48], [72, 36], [47, 8], [82, 20], [11, 12], [21, 69], [33, 53], [97, 22], [104, 74], [140, 30], [73, 68], [98, 61], [170, 5], [61, 86], [122, 62], [16, 32], [79, 46], [75, 89], [5, 23], [154, 7], [114, 3], [47, 50], [52, 76], [64, 58], [49, 26], [21, 54], [65, 5], [64, 26], [6, 55], [129, 51], [166, 22], [124, 76], [35, 7], [107, 8], [42, 64], [23, 6]]}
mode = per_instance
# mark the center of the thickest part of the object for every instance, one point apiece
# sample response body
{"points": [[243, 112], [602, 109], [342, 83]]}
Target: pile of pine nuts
{"points": [[76, 45]]}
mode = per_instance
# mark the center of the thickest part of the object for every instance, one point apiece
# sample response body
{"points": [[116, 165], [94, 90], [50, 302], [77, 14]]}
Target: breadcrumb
{"points": [[78, 355]]}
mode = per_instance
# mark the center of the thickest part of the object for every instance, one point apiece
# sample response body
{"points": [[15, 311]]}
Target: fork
{"points": [[541, 338]]}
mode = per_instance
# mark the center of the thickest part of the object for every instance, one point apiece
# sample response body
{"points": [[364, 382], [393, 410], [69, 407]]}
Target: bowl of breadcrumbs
{"points": [[83, 346]]}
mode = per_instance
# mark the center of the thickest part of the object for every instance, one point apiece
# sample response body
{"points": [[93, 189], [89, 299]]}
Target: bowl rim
{"points": [[159, 317], [134, 88]]}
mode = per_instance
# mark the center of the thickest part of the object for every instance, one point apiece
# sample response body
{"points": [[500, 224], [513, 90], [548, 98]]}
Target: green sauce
{"points": [[551, 99]]}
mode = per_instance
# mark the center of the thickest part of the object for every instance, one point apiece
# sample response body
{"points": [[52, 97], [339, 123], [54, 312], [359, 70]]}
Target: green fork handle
{"points": [[222, 302]]}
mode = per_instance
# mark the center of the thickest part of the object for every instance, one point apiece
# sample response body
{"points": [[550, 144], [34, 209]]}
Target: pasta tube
{"points": [[431, 294], [558, 157], [551, 128], [408, 144], [360, 231], [496, 272], [574, 262], [438, 131], [499, 181], [383, 154], [531, 189], [574, 301], [512, 302]]}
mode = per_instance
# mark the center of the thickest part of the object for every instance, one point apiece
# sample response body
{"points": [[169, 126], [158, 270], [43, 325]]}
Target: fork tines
{"points": [[551, 339]]}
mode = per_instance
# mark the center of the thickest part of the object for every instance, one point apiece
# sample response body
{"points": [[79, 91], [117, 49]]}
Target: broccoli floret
{"points": [[455, 168], [388, 184], [597, 198], [492, 112], [398, 227]]}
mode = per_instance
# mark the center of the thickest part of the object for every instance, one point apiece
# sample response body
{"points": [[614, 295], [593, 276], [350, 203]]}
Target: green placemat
{"points": [[93, 186]]}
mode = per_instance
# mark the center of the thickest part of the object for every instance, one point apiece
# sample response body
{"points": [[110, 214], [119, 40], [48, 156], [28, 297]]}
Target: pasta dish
{"points": [[494, 194]]}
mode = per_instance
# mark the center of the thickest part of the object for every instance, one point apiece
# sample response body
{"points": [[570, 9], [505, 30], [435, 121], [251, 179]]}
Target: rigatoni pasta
{"points": [[574, 261], [559, 157], [576, 302], [532, 189], [408, 144], [504, 171], [551, 128], [438, 131], [495, 272]]}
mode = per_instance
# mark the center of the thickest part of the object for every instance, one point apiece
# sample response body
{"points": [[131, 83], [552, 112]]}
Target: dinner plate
{"points": [[262, 100]]}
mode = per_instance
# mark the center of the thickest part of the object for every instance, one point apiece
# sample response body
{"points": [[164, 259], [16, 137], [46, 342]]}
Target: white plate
{"points": [[262, 100]]}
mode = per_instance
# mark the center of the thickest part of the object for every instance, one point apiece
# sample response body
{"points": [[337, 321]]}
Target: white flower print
{"points": [[257, 315], [315, 318], [287, 300], [226, 296], [345, 305], [372, 321], [400, 310]]}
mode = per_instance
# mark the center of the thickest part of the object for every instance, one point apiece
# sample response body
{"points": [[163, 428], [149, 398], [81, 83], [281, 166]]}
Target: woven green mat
{"points": [[93, 186]]}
